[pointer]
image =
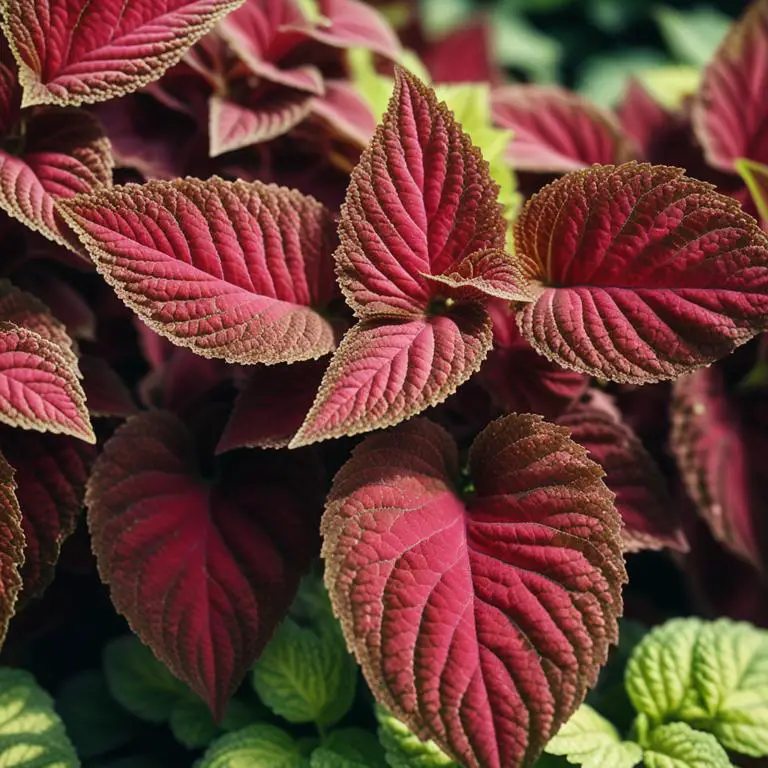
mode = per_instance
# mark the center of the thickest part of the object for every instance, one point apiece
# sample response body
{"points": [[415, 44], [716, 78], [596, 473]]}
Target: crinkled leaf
{"points": [[255, 745], [31, 733], [406, 750], [644, 273], [589, 740], [651, 518], [677, 745], [480, 624], [419, 201], [388, 370], [219, 561], [554, 131], [755, 176], [11, 548], [72, 52], [39, 385], [349, 748], [233, 270], [730, 111]]}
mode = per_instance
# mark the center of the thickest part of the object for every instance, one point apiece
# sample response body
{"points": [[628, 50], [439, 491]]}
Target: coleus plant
{"points": [[477, 574]]}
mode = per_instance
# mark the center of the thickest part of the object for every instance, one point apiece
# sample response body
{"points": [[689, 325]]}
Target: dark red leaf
{"points": [[11, 547], [105, 392]]}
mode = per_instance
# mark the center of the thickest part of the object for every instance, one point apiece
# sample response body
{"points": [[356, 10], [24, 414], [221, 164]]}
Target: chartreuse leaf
{"points": [[406, 750], [349, 748], [712, 675], [257, 745], [589, 740], [670, 85], [692, 36], [677, 745], [755, 176], [31, 733]]}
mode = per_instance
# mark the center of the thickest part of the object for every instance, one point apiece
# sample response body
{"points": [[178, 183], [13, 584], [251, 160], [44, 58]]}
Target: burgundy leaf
{"points": [[72, 52], [642, 273], [203, 570], [388, 370], [51, 471], [755, 176], [651, 518], [476, 63], [11, 547], [345, 111], [271, 405], [642, 118], [556, 131], [232, 270], [10, 91], [480, 623], [105, 392], [39, 385], [730, 111], [420, 200]]}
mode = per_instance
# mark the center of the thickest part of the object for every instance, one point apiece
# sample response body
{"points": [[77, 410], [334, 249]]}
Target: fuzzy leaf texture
{"points": [[712, 675], [31, 733], [203, 570], [642, 273], [11, 547], [232, 270], [72, 52], [479, 624], [255, 745]]}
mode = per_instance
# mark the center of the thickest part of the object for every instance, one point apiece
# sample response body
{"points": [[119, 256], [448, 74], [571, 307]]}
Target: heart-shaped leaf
{"points": [[480, 623], [642, 273], [203, 570], [11, 547], [233, 270]]}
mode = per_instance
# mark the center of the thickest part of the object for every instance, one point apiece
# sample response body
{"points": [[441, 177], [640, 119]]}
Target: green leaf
{"points": [[241, 714], [96, 724], [603, 78], [31, 733], [679, 746], [438, 17], [139, 682], [692, 36], [256, 745], [670, 85], [406, 750], [192, 725], [349, 748], [588, 739], [519, 44]]}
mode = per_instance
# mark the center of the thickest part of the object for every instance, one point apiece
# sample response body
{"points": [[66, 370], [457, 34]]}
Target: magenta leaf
{"points": [[730, 110], [480, 623], [203, 570], [11, 547], [232, 270], [642, 273], [651, 518], [388, 370], [345, 111], [555, 131], [51, 471], [105, 392], [642, 118], [72, 52]]}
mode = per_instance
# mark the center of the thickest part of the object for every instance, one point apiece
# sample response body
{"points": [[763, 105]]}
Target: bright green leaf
{"points": [[519, 44], [755, 176], [670, 85], [257, 745], [349, 748], [589, 740], [406, 750], [679, 746], [31, 733], [692, 36], [603, 78]]}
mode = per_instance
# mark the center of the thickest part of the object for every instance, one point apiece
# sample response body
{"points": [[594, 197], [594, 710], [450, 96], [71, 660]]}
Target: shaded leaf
{"points": [[106, 393], [11, 551], [349, 748], [192, 725], [406, 750], [755, 176]]}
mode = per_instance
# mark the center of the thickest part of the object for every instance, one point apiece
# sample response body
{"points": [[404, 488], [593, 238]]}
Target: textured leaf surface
{"points": [[419, 201], [72, 52], [555, 131], [677, 745], [730, 111], [203, 571], [39, 385], [11, 547], [386, 371], [31, 733], [651, 518], [589, 740], [255, 745], [406, 750], [349, 748], [230, 269], [480, 625], [644, 273]]}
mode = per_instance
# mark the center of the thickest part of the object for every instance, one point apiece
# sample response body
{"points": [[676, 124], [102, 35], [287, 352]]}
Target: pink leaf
{"points": [[651, 518], [106, 394], [420, 200], [386, 371], [11, 547], [39, 385], [555, 131], [643, 273], [72, 52], [730, 110], [203, 570], [345, 111], [271, 405], [10, 91], [642, 118], [232, 270], [51, 471], [482, 622]]}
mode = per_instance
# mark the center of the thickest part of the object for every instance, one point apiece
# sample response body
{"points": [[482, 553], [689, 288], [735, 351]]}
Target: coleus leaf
{"points": [[349, 748], [555, 131], [641, 117], [11, 546], [730, 109], [755, 176], [203, 571], [677, 745], [40, 388], [643, 273], [70, 53], [259, 744], [106, 393], [343, 108], [650, 518], [478, 623], [406, 750], [65, 152], [233, 270]]}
